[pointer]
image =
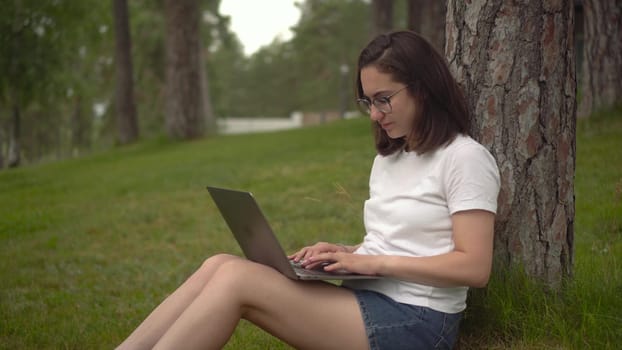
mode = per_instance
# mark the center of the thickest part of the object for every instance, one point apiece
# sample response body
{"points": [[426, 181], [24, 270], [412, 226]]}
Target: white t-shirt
{"points": [[408, 213]]}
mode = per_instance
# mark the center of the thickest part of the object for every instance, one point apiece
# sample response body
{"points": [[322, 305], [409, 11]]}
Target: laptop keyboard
{"points": [[306, 272]]}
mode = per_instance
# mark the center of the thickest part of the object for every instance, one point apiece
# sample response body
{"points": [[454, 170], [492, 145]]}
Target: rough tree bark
{"points": [[515, 62], [185, 110], [427, 17], [127, 122], [382, 13], [601, 86]]}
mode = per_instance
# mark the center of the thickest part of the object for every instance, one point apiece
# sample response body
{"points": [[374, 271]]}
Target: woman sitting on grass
{"points": [[429, 232]]}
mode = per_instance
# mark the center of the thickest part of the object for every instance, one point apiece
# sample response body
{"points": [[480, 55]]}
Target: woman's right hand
{"points": [[321, 247]]}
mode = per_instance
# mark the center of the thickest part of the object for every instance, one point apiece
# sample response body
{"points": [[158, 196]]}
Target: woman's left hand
{"points": [[321, 247], [341, 262]]}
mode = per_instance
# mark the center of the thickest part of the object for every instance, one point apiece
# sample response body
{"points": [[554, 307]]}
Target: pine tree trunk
{"points": [[516, 65], [427, 17], [382, 13], [127, 122], [184, 91], [601, 86]]}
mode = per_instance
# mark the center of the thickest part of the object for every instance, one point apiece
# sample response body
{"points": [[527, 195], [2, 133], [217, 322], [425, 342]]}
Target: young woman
{"points": [[429, 232]]}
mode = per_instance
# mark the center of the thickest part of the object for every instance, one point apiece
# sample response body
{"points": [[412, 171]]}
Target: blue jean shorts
{"points": [[393, 325]]}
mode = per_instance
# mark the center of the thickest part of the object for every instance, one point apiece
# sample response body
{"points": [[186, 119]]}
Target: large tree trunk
{"points": [[382, 13], [427, 17], [127, 122], [185, 110], [601, 86], [515, 62]]}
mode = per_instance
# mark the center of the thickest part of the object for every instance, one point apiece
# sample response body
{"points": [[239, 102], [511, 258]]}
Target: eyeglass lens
{"points": [[382, 104]]}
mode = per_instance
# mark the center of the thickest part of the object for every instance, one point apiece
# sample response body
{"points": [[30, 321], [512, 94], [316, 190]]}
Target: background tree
{"points": [[302, 74], [67, 114], [427, 17], [601, 86], [516, 65], [327, 39], [226, 65], [217, 31], [147, 27], [37, 42], [27, 53], [271, 76], [127, 123], [185, 109], [382, 14]]}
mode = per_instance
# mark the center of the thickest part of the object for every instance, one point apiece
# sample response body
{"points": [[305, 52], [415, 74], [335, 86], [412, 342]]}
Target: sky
{"points": [[258, 22]]}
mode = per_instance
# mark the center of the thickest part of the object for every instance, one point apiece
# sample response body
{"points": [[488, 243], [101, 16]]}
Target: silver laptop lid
{"points": [[251, 229]]}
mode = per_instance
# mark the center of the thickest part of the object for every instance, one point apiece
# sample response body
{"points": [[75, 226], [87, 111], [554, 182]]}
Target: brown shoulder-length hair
{"points": [[441, 106]]}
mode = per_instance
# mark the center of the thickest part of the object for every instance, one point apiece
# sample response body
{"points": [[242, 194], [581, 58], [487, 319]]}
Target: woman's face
{"points": [[399, 121]]}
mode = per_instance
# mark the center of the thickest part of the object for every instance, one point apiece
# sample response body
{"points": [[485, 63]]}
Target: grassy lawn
{"points": [[90, 246]]}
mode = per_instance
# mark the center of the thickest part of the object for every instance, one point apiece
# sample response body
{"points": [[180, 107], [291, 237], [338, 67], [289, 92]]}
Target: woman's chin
{"points": [[395, 135]]}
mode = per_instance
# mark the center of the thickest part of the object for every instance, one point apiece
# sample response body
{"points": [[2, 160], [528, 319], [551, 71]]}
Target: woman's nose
{"points": [[375, 114]]}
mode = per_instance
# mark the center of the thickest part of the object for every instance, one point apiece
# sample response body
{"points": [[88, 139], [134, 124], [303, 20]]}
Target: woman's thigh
{"points": [[307, 315]]}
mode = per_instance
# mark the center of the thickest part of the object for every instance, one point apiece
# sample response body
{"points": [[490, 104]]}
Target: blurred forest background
{"points": [[81, 76], [65, 90]]}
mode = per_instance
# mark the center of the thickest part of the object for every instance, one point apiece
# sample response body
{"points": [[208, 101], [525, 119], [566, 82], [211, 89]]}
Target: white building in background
{"points": [[261, 124], [242, 125]]}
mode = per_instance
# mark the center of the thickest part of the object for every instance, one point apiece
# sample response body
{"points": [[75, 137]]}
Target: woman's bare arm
{"points": [[468, 264]]}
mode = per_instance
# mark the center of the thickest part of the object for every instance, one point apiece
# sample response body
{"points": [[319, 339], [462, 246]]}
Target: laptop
{"points": [[259, 244]]}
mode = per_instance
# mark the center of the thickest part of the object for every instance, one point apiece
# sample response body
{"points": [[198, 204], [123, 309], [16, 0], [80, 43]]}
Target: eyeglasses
{"points": [[383, 104]]}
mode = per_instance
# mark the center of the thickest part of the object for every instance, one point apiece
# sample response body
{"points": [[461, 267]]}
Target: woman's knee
{"points": [[240, 275], [211, 265], [239, 278], [215, 261], [229, 265]]}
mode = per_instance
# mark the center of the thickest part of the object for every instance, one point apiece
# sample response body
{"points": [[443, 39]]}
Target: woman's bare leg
{"points": [[160, 319], [314, 315]]}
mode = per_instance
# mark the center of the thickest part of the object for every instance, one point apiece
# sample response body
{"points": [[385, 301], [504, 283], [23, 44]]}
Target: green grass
{"points": [[90, 246]]}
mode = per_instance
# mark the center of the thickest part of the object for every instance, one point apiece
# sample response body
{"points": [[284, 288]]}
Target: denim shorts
{"points": [[393, 325]]}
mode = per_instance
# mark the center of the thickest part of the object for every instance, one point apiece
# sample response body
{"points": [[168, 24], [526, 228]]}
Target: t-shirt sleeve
{"points": [[471, 179]]}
